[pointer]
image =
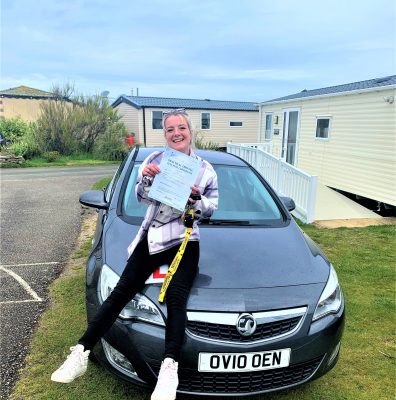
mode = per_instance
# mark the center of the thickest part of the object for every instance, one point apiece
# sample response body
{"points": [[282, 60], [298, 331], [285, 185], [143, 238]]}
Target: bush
{"points": [[201, 143], [26, 146], [51, 156], [14, 128], [55, 127], [73, 124], [111, 145]]}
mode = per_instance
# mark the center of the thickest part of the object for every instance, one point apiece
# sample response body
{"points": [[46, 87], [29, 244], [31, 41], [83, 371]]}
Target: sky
{"points": [[241, 50]]}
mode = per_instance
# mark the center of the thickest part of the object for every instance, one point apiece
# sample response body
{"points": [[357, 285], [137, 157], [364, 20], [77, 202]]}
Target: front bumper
{"points": [[312, 354]]}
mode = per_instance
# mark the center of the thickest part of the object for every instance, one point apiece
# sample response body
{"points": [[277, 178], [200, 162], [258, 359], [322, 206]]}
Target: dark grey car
{"points": [[265, 313]]}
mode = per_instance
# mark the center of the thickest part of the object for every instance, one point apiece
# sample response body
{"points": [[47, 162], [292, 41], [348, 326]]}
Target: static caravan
{"points": [[217, 121], [24, 102], [346, 135]]}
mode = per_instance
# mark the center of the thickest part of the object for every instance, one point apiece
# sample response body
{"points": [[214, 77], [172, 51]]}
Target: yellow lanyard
{"points": [[188, 218]]}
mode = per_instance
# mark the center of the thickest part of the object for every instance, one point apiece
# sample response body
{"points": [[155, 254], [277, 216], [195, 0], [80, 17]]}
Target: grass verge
{"points": [[73, 160], [100, 184], [364, 260]]}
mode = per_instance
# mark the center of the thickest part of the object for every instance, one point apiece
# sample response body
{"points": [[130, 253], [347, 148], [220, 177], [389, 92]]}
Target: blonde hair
{"points": [[179, 112]]}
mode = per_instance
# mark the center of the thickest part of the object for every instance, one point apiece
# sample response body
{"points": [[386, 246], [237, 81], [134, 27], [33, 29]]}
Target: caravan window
{"points": [[205, 120], [157, 119], [268, 126], [323, 127]]}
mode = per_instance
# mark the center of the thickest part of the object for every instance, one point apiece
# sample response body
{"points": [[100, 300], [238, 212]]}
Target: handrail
{"points": [[286, 179]]}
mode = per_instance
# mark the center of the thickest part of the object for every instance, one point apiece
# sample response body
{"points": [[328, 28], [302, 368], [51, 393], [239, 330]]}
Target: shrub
{"points": [[51, 156], [54, 129], [26, 146], [201, 143], [73, 124], [13, 128], [111, 144]]}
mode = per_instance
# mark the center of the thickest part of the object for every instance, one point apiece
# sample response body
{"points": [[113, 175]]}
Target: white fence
{"points": [[265, 146], [283, 177]]}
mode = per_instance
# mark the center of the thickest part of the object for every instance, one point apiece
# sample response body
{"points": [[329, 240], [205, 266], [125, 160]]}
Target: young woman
{"points": [[155, 244]]}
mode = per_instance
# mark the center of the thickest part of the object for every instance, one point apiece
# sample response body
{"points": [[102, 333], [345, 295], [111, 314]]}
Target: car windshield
{"points": [[243, 199]]}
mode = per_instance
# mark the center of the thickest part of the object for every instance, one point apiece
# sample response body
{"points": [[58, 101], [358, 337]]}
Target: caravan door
{"points": [[291, 123]]}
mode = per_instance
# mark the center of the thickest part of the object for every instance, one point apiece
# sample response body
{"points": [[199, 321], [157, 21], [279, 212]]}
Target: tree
{"points": [[74, 123], [94, 118], [54, 127]]}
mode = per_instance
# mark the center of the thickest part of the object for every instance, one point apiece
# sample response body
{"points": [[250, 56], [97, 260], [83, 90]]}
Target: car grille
{"points": [[246, 382], [229, 332]]}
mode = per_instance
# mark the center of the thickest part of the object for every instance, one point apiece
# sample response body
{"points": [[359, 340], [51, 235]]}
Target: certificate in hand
{"points": [[172, 186]]}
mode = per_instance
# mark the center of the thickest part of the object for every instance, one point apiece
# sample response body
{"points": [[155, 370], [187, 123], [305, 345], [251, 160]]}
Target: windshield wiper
{"points": [[223, 221]]}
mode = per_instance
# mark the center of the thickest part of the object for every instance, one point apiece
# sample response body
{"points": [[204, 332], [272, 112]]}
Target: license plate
{"points": [[243, 362]]}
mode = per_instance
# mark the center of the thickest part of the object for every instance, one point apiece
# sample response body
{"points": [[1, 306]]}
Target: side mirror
{"points": [[288, 202], [95, 199]]}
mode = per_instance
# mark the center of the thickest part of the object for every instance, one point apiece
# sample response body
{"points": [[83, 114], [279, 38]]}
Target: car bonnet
{"points": [[238, 257]]}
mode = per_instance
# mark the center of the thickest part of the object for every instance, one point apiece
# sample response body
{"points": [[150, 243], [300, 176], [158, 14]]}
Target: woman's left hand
{"points": [[194, 192]]}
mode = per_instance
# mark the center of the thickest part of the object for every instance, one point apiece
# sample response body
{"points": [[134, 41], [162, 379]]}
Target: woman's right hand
{"points": [[151, 170]]}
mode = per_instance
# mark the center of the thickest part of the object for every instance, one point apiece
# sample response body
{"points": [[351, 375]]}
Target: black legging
{"points": [[139, 267]]}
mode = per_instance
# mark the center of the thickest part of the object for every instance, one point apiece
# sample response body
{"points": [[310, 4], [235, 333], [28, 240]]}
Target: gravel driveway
{"points": [[39, 224]]}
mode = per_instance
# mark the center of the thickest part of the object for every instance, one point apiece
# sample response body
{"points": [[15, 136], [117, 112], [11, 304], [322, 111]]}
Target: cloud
{"points": [[258, 74], [233, 49]]}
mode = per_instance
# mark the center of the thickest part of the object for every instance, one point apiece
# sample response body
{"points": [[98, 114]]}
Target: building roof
{"points": [[194, 104], [339, 89], [25, 91]]}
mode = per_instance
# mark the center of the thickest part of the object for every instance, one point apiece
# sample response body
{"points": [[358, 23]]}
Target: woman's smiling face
{"points": [[177, 133]]}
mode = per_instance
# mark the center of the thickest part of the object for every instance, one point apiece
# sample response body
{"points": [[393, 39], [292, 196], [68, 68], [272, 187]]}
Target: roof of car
{"points": [[213, 157]]}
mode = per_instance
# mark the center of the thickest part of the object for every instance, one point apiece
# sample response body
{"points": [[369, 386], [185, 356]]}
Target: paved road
{"points": [[39, 224]]}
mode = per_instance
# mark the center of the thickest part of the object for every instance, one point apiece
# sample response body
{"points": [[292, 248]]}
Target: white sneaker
{"points": [[167, 381], [74, 366]]}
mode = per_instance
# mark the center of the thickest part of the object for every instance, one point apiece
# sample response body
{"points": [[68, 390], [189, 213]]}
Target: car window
{"points": [[130, 205], [242, 197], [113, 183]]}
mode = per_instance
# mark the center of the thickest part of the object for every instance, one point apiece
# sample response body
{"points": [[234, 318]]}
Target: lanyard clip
{"points": [[188, 217]]}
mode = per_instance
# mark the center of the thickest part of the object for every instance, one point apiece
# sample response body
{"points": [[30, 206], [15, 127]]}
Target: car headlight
{"points": [[330, 300], [140, 307]]}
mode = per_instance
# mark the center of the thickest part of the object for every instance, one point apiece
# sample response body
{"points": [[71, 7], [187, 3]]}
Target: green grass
{"points": [[72, 160], [365, 262], [102, 183]]}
